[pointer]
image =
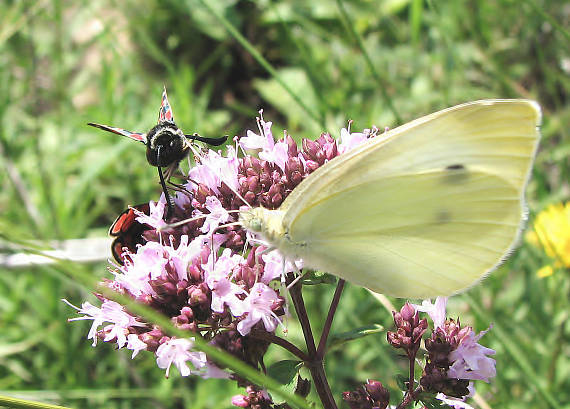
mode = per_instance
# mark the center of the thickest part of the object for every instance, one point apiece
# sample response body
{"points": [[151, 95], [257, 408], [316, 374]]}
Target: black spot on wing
{"points": [[456, 173], [443, 216], [457, 166]]}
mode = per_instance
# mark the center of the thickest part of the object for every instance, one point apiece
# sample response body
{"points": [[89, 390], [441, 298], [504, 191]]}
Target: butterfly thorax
{"points": [[269, 225], [166, 144]]}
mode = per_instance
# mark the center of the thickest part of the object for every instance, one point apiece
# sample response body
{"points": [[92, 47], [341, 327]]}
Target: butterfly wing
{"points": [[140, 137], [165, 113], [428, 208]]}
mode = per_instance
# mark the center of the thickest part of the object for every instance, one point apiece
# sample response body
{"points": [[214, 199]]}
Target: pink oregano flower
{"points": [[111, 312], [470, 360], [259, 305], [156, 215], [218, 279], [178, 352], [436, 311]]}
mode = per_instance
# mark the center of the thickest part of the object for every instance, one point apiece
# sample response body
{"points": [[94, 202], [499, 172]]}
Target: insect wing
{"points": [[128, 231], [426, 210], [165, 113], [140, 137]]}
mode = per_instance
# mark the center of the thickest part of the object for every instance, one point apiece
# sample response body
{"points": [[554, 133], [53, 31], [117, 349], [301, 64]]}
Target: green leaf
{"points": [[430, 402], [337, 339], [401, 381], [317, 277], [284, 371]]}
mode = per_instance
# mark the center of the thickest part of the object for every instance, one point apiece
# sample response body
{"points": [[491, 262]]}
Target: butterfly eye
{"points": [[256, 225]]}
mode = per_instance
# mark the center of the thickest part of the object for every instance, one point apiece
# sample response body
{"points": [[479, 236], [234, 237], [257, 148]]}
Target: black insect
{"points": [[166, 145]]}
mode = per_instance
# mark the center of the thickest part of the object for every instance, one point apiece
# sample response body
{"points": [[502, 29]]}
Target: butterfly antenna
{"points": [[169, 201]]}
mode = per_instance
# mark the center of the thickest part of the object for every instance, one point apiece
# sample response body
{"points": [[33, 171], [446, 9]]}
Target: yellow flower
{"points": [[552, 231]]}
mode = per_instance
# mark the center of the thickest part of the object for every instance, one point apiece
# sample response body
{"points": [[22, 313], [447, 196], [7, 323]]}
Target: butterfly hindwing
{"points": [[391, 242]]}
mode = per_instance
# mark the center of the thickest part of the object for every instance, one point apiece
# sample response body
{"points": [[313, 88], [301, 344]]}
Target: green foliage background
{"points": [[64, 63]]}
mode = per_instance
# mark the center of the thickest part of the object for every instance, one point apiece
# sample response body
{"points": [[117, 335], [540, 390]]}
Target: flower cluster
{"points": [[198, 268], [453, 360], [215, 281], [372, 395]]}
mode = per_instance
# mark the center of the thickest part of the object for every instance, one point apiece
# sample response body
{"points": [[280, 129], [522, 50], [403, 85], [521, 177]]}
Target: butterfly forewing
{"points": [[426, 210]]}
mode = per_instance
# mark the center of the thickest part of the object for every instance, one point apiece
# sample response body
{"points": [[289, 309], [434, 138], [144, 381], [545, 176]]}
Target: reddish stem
{"points": [[315, 362]]}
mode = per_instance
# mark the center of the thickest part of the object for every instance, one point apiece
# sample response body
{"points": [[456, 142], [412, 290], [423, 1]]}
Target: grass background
{"points": [[63, 64]]}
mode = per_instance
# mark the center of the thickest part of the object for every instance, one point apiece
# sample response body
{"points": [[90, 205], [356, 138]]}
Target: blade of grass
{"points": [[262, 61], [8, 402], [349, 25], [550, 19], [519, 356]]}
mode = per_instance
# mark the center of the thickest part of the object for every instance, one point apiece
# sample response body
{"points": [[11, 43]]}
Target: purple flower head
{"points": [[156, 217], [260, 305], [436, 311], [470, 360], [454, 356], [410, 330], [372, 395], [178, 352], [111, 312], [256, 398], [203, 270]]}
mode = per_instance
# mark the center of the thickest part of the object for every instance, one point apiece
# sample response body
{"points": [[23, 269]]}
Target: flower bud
{"points": [[378, 393], [240, 401]]}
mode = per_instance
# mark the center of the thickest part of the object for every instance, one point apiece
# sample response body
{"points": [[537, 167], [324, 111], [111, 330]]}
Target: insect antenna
{"points": [[210, 141]]}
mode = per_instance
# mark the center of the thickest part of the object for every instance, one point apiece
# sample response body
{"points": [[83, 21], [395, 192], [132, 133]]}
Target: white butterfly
{"points": [[427, 209]]}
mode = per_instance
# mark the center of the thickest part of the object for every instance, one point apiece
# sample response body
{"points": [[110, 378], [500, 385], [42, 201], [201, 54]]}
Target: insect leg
{"points": [[169, 201]]}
